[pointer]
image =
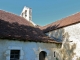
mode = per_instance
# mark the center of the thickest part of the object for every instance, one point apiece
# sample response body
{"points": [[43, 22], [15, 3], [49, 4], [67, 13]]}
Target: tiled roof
{"points": [[14, 27], [70, 20]]}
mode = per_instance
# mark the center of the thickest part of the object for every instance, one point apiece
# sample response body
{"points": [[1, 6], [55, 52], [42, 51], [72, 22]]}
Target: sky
{"points": [[43, 11]]}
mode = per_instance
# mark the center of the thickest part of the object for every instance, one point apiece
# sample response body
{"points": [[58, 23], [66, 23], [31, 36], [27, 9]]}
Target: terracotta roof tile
{"points": [[17, 28], [70, 20]]}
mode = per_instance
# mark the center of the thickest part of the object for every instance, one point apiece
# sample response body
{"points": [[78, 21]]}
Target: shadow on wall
{"points": [[50, 28], [78, 58], [58, 35], [17, 31], [68, 50]]}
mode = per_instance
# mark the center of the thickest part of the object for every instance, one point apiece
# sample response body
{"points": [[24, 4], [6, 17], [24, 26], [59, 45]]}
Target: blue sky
{"points": [[43, 11]]}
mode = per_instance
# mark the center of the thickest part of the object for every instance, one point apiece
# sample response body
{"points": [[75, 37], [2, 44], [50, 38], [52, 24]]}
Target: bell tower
{"points": [[27, 13]]}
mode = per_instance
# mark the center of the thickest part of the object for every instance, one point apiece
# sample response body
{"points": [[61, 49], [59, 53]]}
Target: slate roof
{"points": [[14, 27], [70, 20]]}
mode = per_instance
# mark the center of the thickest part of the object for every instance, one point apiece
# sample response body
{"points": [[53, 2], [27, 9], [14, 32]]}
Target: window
{"points": [[14, 54], [22, 14], [30, 12], [25, 13], [54, 54], [42, 55], [30, 18]]}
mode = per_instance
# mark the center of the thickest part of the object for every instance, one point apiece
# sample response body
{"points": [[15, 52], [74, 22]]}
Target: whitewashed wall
{"points": [[70, 37], [29, 50], [56, 34]]}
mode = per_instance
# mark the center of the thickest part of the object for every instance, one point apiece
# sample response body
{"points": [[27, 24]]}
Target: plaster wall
{"points": [[70, 38], [30, 50]]}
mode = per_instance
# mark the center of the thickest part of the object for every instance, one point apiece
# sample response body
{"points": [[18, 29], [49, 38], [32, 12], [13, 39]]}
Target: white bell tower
{"points": [[27, 14]]}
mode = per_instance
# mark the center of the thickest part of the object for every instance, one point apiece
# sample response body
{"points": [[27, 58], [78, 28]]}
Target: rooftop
{"points": [[70, 20], [14, 27]]}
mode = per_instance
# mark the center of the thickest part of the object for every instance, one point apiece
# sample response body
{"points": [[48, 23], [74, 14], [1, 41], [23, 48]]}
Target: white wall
{"points": [[30, 50], [56, 34], [73, 37], [70, 37]]}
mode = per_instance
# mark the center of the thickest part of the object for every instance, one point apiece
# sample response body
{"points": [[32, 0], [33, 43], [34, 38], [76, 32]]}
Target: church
{"points": [[22, 39]]}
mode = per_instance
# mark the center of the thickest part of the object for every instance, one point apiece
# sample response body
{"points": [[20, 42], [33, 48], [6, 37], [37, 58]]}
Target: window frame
{"points": [[14, 54], [7, 53]]}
